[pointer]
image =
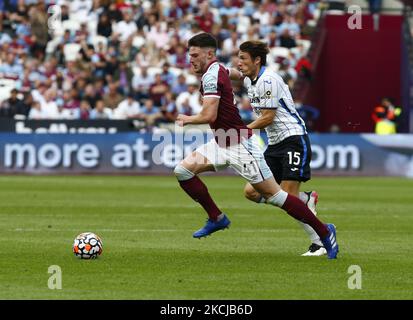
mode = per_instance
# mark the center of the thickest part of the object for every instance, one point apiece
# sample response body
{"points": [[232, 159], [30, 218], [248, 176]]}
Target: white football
{"points": [[87, 245]]}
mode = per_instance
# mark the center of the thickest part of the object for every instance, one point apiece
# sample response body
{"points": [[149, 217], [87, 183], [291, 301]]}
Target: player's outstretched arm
{"points": [[266, 118], [235, 74], [208, 113]]}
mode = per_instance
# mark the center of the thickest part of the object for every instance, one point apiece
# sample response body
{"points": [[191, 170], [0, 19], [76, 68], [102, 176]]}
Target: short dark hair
{"points": [[256, 49], [203, 40]]}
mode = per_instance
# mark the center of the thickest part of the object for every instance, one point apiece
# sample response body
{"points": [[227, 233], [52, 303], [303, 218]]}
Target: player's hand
{"points": [[181, 120]]}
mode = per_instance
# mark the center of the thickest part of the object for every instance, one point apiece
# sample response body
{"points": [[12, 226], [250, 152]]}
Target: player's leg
{"points": [[274, 163], [316, 248], [294, 156], [251, 194], [275, 196], [187, 174], [292, 187], [279, 158], [249, 162]]}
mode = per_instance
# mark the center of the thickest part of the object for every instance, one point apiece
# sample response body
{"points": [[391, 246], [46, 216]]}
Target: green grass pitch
{"points": [[146, 225]]}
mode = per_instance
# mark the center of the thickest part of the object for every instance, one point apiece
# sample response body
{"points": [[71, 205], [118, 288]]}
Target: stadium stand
{"points": [[103, 46]]}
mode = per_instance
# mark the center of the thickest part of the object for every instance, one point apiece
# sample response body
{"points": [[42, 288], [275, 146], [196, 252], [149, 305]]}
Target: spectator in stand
{"points": [[303, 67], [179, 59], [71, 99], [13, 106], [39, 29], [143, 58], [173, 12], [141, 83], [287, 73], [287, 40], [35, 112], [91, 95], [11, 68], [157, 90], [229, 11], [272, 39], [179, 86], [158, 36], [83, 113], [230, 46], [150, 113], [289, 24], [167, 75], [188, 103], [100, 112], [245, 110], [205, 18], [49, 106], [123, 76], [168, 109], [104, 27], [386, 116], [112, 98], [126, 28], [262, 16], [128, 109]]}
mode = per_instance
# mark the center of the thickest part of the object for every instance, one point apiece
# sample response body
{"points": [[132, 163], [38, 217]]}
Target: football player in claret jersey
{"points": [[233, 145], [289, 152]]}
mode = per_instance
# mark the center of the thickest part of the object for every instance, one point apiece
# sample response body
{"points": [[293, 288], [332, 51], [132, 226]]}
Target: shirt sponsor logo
{"points": [[210, 87], [255, 100]]}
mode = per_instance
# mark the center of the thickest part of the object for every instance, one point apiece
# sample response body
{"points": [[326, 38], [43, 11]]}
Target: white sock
{"points": [[311, 233], [307, 228], [262, 200], [303, 197], [278, 199]]}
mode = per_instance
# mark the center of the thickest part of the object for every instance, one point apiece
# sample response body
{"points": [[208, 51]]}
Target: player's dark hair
{"points": [[256, 49], [203, 40]]}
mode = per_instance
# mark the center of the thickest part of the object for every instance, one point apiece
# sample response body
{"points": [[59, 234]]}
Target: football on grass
{"points": [[87, 245]]}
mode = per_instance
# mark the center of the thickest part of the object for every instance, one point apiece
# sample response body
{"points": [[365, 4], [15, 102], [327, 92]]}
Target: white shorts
{"points": [[246, 158]]}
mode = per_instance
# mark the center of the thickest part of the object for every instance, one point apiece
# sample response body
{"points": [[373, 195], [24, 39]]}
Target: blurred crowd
{"points": [[99, 59]]}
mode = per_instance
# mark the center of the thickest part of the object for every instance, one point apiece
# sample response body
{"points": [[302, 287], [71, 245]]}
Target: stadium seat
{"points": [[71, 51], [92, 27], [99, 39], [52, 44], [243, 24], [306, 44], [363, 4], [152, 71], [176, 71], [392, 7], [191, 79], [280, 52], [336, 12], [275, 66], [295, 51], [6, 85], [71, 25]]}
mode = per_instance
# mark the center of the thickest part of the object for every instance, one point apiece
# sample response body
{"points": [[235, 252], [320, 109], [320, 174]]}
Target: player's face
{"points": [[246, 65], [198, 59]]}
